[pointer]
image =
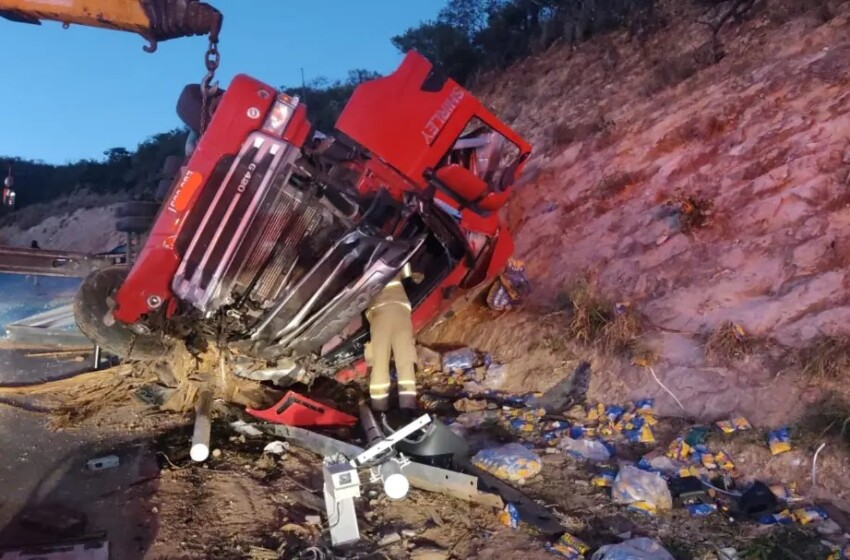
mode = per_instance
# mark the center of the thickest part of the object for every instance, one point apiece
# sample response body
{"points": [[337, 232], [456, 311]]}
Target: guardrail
{"points": [[45, 262]]}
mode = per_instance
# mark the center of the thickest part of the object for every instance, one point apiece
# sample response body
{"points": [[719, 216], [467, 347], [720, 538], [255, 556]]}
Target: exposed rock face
{"points": [[89, 230], [764, 135]]}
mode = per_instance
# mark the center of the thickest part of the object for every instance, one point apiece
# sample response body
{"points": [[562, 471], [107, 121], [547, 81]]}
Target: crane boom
{"points": [[155, 20]]}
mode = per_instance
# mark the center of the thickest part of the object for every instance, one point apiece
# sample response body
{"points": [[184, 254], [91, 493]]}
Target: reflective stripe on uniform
{"points": [[407, 382], [408, 393], [379, 386], [379, 390]]}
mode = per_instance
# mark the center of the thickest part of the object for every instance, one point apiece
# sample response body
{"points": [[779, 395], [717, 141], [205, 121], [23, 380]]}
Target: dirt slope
{"points": [[86, 230], [763, 135]]}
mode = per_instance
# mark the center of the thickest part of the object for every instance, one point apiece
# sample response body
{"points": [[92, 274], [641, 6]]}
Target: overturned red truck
{"points": [[273, 243]]}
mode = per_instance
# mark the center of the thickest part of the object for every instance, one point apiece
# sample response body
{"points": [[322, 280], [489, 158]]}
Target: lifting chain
{"points": [[209, 89]]}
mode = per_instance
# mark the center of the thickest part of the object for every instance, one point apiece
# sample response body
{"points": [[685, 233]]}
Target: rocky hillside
{"points": [[89, 230], [699, 194], [712, 199]]}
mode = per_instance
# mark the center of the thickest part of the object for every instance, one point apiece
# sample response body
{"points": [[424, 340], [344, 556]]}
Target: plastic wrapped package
{"points": [[510, 289], [509, 517], [779, 441], [512, 462], [569, 547], [634, 485], [459, 360], [589, 449], [633, 549]]}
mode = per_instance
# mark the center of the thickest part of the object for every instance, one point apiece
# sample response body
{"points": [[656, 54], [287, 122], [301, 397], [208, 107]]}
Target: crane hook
{"points": [[151, 46]]}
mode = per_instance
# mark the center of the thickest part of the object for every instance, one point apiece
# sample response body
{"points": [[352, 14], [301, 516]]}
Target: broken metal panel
{"points": [[529, 511], [317, 443], [59, 317], [423, 477], [455, 484], [55, 327]]}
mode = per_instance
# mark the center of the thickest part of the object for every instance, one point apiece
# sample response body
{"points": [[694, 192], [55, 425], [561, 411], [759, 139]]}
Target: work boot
{"points": [[380, 404], [408, 402], [398, 418]]}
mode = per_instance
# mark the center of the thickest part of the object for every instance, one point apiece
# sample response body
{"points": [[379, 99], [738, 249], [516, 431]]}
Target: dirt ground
{"points": [[243, 503]]}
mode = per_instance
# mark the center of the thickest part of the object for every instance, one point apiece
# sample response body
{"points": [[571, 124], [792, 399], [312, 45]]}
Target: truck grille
{"points": [[235, 246]]}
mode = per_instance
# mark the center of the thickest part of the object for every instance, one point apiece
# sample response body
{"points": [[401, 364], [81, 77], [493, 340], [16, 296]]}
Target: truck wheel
{"points": [[91, 308], [134, 224], [137, 208]]}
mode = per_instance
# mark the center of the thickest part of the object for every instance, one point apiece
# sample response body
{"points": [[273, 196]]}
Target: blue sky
{"points": [[70, 94]]}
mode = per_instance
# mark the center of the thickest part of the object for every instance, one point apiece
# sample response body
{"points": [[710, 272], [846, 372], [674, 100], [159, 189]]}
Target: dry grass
{"points": [[680, 67], [692, 211], [727, 343], [826, 358], [597, 322], [567, 133], [828, 419], [642, 354]]}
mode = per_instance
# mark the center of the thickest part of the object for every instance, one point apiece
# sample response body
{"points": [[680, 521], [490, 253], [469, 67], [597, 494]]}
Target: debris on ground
{"points": [[389, 539], [641, 490], [509, 517], [102, 463], [569, 547], [512, 462], [511, 289], [737, 424], [459, 360], [470, 405], [633, 549], [276, 448], [589, 449], [727, 554], [243, 428], [779, 441], [633, 463]]}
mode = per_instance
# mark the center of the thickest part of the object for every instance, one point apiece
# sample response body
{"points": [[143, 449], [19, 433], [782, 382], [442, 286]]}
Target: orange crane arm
{"points": [[155, 20]]}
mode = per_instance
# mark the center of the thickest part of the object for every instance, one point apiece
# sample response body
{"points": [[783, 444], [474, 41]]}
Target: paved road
{"points": [[43, 472], [43, 476], [20, 297], [17, 367]]}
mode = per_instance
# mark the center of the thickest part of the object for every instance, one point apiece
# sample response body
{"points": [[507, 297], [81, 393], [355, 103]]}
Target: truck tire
{"points": [[134, 224], [91, 307], [137, 208]]}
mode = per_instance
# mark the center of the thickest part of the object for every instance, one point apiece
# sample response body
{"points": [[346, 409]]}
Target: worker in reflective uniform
{"points": [[391, 329]]}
